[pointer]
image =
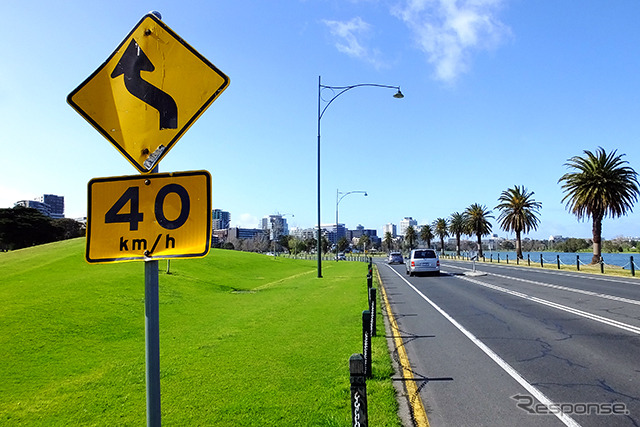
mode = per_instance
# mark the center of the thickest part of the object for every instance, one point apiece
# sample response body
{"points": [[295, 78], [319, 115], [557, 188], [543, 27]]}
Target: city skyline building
{"points": [[49, 204], [220, 219], [276, 225], [389, 228], [56, 204], [405, 223]]}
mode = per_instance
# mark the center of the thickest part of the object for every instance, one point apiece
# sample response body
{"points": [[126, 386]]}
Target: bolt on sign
{"points": [[136, 217], [148, 93]]}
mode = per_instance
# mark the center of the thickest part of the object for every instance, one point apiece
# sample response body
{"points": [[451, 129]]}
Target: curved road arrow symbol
{"points": [[132, 62]]}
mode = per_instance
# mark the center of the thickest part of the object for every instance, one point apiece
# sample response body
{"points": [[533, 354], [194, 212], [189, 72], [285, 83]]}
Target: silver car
{"points": [[423, 261], [395, 258]]}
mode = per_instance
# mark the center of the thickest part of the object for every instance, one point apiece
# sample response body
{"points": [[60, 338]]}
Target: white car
{"points": [[423, 261]]}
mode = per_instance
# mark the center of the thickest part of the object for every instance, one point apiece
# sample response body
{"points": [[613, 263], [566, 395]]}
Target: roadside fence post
{"points": [[541, 262], [491, 257], [372, 310], [558, 260], [578, 262], [498, 258], [601, 265], [366, 342], [507, 258], [633, 268], [359, 417], [529, 260]]}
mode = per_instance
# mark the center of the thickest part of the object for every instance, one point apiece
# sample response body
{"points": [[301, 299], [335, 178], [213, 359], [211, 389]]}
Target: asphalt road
{"points": [[520, 346]]}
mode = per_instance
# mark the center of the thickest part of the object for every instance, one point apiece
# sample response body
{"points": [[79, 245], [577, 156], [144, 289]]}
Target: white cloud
{"points": [[246, 220], [448, 31], [350, 37]]}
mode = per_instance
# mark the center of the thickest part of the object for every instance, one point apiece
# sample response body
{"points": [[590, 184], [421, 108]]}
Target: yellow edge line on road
{"points": [[417, 407]]}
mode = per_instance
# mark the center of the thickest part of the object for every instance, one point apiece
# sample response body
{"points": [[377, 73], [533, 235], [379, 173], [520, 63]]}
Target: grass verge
{"points": [[245, 340]]}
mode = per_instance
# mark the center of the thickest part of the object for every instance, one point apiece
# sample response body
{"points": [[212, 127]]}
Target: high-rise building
{"points": [[405, 223], [389, 228], [56, 204], [220, 219], [335, 234], [276, 225]]}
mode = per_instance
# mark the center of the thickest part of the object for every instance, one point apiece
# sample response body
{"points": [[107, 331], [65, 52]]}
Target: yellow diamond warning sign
{"points": [[146, 95]]}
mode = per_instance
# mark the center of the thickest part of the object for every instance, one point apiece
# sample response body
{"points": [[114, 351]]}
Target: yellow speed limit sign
{"points": [[138, 217]]}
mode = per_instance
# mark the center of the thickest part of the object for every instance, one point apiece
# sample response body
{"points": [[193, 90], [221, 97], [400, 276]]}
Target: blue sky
{"points": [[497, 93]]}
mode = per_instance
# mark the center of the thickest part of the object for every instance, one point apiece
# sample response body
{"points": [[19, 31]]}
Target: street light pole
{"points": [[321, 111], [338, 200], [319, 235]]}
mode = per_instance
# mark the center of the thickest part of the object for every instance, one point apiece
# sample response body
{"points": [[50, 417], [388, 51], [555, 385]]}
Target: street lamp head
{"points": [[398, 94], [365, 194]]}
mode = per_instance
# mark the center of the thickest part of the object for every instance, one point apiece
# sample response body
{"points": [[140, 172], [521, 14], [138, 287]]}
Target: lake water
{"points": [[566, 258]]}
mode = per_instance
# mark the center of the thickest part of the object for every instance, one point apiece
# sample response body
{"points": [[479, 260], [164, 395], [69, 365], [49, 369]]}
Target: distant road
{"points": [[492, 348]]}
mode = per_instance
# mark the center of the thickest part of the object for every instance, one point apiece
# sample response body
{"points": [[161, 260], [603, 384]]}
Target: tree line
{"points": [[597, 185], [21, 227]]}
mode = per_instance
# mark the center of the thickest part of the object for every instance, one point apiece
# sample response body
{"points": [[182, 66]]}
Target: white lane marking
{"points": [[587, 276], [567, 420], [563, 288], [595, 317]]}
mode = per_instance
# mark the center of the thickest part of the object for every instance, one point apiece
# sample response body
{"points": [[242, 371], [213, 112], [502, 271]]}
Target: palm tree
{"points": [[441, 228], [410, 236], [457, 227], [600, 185], [426, 234], [478, 222], [388, 240], [518, 213]]}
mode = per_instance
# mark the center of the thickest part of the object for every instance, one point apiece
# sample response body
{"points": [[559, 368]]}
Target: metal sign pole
{"points": [[152, 342], [152, 339]]}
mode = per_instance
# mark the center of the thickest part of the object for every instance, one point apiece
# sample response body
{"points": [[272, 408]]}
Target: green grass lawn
{"points": [[245, 340]]}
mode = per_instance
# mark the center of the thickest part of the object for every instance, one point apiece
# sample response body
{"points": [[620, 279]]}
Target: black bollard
{"points": [[366, 342], [633, 267], [372, 310], [359, 416]]}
